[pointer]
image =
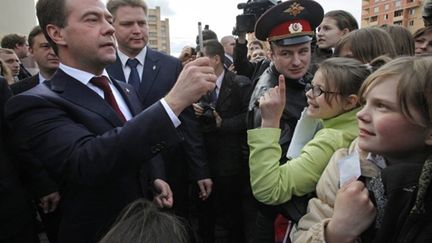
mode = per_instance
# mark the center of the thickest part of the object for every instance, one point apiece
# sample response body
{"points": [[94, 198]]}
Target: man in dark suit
{"points": [[11, 60], [88, 129], [41, 185], [45, 58], [153, 75], [222, 114], [228, 42], [17, 217], [18, 43]]}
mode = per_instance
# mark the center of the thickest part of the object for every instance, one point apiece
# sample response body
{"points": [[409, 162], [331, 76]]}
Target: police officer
{"points": [[288, 27]]}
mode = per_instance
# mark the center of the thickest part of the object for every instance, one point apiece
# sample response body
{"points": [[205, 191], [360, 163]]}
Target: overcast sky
{"points": [[220, 15]]}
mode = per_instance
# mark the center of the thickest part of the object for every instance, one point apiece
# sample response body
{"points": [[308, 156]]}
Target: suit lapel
{"points": [[130, 97], [76, 92], [116, 70], [150, 72]]}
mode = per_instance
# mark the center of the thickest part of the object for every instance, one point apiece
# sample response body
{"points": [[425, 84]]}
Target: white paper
{"points": [[305, 130], [349, 167]]}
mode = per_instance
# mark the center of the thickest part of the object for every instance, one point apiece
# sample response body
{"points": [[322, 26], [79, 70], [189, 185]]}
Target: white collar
{"points": [[140, 57], [82, 76], [220, 79]]}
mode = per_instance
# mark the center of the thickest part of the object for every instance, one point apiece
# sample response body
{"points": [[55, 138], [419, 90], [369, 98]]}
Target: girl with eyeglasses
{"points": [[332, 104]]}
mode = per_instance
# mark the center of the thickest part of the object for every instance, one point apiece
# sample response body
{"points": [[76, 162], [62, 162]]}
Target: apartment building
{"points": [[159, 38], [401, 12]]}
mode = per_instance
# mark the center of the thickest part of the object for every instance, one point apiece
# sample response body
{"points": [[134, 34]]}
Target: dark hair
{"points": [[207, 34], [347, 74], [359, 42], [142, 222], [344, 20], [214, 48], [51, 12], [33, 33], [113, 5], [10, 41], [402, 38], [427, 13]]}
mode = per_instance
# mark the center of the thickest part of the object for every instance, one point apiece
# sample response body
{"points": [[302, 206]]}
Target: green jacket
{"points": [[275, 184]]}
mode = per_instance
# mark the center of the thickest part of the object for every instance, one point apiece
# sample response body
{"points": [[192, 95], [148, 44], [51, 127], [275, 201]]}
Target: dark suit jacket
{"points": [[25, 84], [81, 140], [37, 179], [226, 145], [243, 66], [159, 76], [16, 211]]}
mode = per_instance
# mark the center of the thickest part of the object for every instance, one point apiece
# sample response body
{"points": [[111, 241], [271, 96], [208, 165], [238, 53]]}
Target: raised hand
{"points": [[196, 79], [272, 104]]}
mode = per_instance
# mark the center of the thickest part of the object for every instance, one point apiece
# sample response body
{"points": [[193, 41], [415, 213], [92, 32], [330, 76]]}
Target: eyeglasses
{"points": [[317, 91]]}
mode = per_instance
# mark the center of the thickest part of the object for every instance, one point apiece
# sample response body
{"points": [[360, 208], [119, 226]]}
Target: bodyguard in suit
{"points": [[222, 117], [17, 217], [18, 43], [153, 74], [40, 183], [87, 129], [45, 58]]}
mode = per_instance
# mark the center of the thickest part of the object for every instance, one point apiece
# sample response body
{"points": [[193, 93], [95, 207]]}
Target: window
{"points": [[374, 19], [376, 9], [386, 7], [152, 18], [398, 22], [398, 3], [411, 11], [398, 13], [386, 16], [411, 23]]}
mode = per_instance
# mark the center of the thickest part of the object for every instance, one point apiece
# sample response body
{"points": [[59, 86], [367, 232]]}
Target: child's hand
{"points": [[272, 104], [353, 213]]}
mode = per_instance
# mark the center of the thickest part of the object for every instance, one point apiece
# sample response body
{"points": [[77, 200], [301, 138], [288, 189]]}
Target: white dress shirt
{"points": [[41, 78], [141, 61], [85, 77]]}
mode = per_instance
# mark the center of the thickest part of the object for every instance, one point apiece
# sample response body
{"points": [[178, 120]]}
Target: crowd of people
{"points": [[316, 131]]}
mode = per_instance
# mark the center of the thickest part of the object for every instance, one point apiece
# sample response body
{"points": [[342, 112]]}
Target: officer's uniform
{"points": [[288, 23]]}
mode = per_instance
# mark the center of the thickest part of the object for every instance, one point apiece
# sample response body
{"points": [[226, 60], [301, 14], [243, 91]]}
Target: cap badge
{"points": [[295, 28], [294, 9]]}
